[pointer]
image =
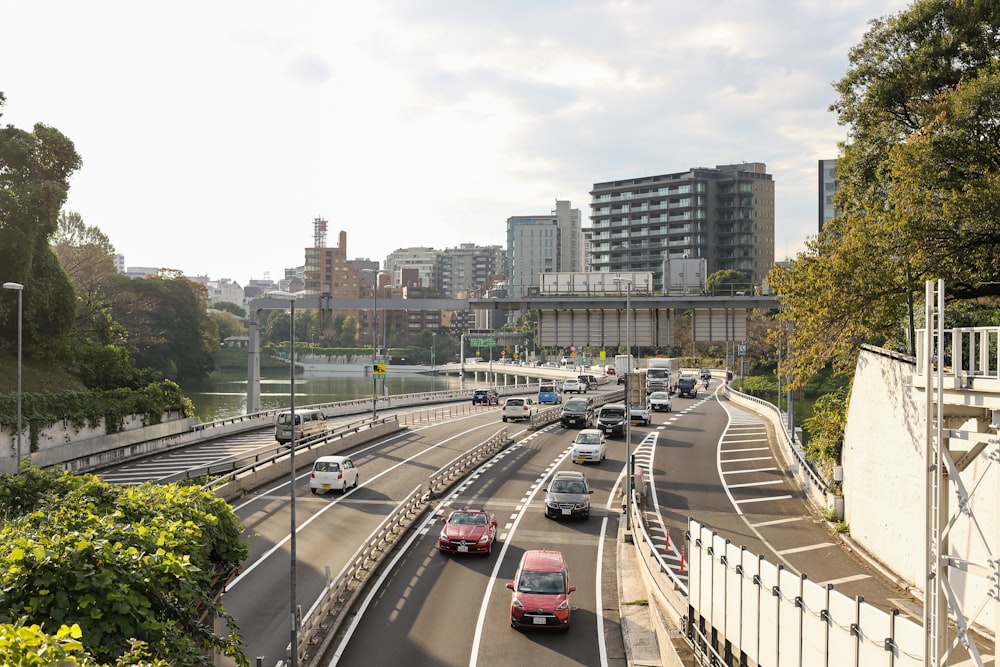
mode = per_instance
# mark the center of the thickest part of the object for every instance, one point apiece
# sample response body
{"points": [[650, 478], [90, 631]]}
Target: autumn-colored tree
{"points": [[919, 179]]}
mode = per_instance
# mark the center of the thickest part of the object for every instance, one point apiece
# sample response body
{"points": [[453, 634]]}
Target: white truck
{"points": [[661, 374], [624, 364]]}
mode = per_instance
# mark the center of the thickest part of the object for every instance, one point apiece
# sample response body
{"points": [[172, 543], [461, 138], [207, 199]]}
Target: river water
{"points": [[224, 394]]}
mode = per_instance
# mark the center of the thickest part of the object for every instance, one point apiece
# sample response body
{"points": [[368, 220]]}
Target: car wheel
{"points": [[503, 419], [314, 491], [357, 479]]}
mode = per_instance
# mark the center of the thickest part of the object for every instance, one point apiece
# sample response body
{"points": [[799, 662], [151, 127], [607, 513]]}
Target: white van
{"points": [[307, 424]]}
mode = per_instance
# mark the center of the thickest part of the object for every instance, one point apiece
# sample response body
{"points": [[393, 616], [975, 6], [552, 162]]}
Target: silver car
{"points": [[589, 445], [660, 401]]}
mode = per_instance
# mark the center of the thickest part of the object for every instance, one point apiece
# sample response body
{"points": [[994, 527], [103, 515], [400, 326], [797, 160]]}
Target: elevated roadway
{"points": [[708, 459]]}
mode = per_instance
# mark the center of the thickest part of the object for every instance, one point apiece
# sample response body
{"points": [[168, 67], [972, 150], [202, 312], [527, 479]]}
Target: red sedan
{"points": [[468, 531]]}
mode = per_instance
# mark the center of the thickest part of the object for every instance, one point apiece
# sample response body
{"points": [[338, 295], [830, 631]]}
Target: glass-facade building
{"points": [[724, 215]]}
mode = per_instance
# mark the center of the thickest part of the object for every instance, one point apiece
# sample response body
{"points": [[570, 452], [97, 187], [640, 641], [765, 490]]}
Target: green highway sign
{"points": [[482, 342]]}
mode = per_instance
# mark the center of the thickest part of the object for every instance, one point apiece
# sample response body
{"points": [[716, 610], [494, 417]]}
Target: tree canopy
{"points": [[918, 185], [35, 168]]}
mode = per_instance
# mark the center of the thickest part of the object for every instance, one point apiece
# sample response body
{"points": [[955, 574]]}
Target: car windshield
{"points": [[327, 466], [612, 413], [576, 405], [588, 439], [468, 518], [542, 582], [515, 401], [564, 486]]}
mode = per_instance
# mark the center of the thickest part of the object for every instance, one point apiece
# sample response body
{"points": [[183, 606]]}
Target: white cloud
{"points": [[213, 133]]}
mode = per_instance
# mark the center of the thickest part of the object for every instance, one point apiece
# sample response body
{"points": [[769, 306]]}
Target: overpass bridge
{"points": [[586, 320]]}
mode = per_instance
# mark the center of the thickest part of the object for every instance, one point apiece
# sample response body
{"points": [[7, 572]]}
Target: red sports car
{"points": [[468, 531]]}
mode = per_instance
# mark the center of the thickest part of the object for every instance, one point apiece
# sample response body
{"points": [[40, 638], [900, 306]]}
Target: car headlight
{"points": [[443, 537], [485, 538], [516, 603], [563, 605]]}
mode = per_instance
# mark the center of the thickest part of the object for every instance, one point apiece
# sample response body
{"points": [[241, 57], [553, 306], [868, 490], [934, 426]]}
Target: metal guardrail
{"points": [[447, 475], [323, 620], [234, 468], [320, 624]]}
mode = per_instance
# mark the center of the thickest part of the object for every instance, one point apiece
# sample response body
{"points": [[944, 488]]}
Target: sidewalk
{"points": [[650, 639]]}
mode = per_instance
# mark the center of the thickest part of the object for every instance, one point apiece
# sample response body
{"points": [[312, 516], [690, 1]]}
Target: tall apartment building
{"points": [[424, 260], [724, 215], [327, 271], [469, 269], [539, 244], [827, 188]]}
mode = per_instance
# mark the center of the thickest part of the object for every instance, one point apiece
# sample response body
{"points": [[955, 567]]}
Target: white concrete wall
{"points": [[885, 492], [883, 459]]}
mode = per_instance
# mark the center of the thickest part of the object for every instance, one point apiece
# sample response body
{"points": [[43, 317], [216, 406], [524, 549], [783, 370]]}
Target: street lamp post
{"points": [[290, 297], [20, 289], [434, 338], [375, 274], [628, 418]]}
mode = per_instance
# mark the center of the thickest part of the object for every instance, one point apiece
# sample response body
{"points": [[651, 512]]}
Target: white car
{"points": [[660, 401], [640, 412], [573, 386], [589, 445], [517, 407], [333, 473]]}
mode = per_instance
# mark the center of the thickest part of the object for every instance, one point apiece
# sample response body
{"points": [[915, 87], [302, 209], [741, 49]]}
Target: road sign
{"points": [[743, 349], [378, 368], [482, 342]]}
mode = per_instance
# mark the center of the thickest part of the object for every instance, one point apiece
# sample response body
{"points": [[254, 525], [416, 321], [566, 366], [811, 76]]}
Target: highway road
{"points": [[439, 609], [708, 459]]}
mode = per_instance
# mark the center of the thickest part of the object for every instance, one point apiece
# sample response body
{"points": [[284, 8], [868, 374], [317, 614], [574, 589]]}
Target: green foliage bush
{"points": [[89, 408], [140, 563]]}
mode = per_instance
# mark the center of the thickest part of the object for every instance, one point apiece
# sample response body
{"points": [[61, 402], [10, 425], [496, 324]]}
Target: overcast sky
{"points": [[212, 133]]}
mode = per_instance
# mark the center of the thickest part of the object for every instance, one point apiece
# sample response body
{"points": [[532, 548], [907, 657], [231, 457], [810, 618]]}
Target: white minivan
{"points": [[307, 424]]}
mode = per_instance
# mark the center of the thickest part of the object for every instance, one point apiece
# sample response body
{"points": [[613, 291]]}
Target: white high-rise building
{"points": [[539, 244]]}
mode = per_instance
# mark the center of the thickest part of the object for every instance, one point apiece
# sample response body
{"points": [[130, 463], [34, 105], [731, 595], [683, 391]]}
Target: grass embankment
{"points": [[35, 375]]}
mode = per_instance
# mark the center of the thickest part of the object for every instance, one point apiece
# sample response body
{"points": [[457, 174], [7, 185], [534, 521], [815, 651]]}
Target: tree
{"points": [[238, 311], [727, 281], [349, 331], [168, 326], [227, 324], [35, 168], [918, 183]]}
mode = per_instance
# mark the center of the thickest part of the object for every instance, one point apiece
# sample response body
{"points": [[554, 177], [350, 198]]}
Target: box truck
{"points": [[624, 365], [661, 375]]}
